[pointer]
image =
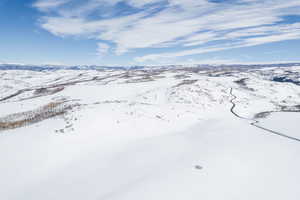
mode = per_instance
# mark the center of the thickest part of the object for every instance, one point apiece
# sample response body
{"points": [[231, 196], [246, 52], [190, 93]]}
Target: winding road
{"points": [[255, 122]]}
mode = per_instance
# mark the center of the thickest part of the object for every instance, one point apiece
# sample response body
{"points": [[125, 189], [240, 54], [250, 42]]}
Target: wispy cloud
{"points": [[102, 49], [45, 5], [190, 26], [242, 38]]}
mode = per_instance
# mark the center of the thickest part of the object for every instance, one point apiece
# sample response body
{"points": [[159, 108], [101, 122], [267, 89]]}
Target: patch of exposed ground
{"points": [[186, 82], [242, 83], [265, 114]]}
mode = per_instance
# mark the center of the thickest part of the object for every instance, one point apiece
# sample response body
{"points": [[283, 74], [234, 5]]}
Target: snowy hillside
{"points": [[150, 133]]}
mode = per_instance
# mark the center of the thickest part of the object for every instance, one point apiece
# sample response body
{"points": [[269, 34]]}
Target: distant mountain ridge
{"points": [[96, 67]]}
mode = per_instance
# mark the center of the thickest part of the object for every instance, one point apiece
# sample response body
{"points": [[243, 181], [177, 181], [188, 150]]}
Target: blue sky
{"points": [[149, 32]]}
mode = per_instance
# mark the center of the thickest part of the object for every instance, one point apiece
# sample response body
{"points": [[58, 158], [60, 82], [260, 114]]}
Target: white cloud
{"points": [[273, 38], [141, 3], [102, 49], [180, 23], [200, 38], [45, 5], [268, 34]]}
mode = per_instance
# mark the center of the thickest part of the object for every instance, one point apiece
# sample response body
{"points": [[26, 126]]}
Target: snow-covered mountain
{"points": [[11, 66], [172, 132]]}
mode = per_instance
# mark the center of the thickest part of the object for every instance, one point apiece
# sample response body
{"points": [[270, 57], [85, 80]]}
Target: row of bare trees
{"points": [[25, 118]]}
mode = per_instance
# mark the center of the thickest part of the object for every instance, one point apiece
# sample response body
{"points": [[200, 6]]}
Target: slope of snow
{"points": [[283, 122], [157, 134]]}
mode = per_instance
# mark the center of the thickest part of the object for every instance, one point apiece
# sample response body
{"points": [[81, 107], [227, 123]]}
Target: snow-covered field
{"points": [[182, 133]]}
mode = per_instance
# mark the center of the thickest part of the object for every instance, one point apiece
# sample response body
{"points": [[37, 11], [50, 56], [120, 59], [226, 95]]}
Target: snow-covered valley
{"points": [[161, 133]]}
